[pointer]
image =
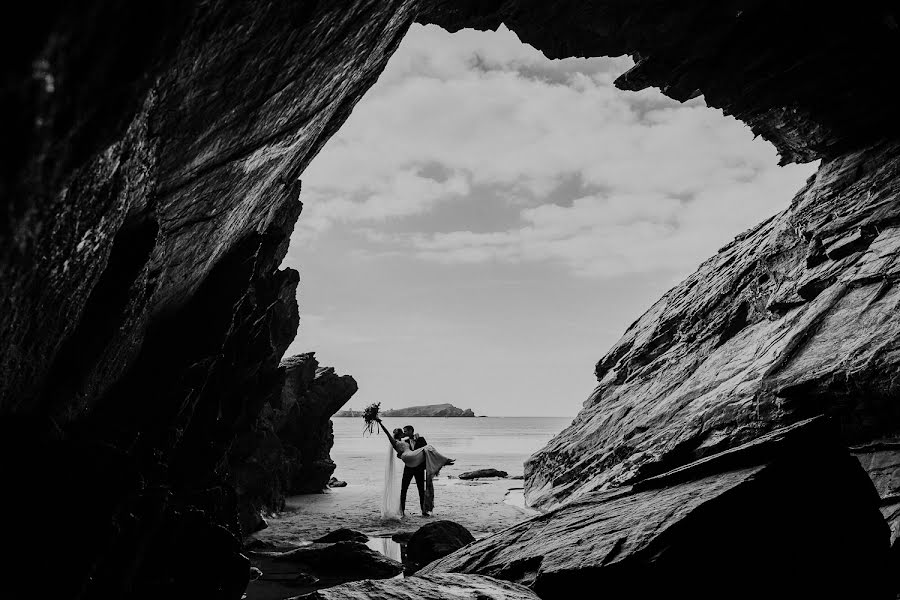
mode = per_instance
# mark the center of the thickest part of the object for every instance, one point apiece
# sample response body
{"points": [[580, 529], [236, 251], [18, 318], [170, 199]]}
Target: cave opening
{"points": [[484, 204]]}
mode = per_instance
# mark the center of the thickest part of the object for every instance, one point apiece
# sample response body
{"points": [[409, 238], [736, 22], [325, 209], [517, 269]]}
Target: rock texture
{"points": [[789, 515], [810, 99], [796, 317], [436, 540], [433, 587], [286, 451], [349, 559], [149, 187]]}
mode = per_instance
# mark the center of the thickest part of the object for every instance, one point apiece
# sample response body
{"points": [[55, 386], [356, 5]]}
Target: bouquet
{"points": [[370, 416]]}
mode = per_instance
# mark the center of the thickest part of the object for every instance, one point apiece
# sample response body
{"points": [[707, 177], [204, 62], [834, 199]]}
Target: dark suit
{"points": [[416, 472]]}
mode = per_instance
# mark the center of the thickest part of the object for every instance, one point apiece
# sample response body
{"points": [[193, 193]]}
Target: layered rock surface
{"points": [[150, 186], [815, 88], [789, 515], [433, 587], [796, 317], [287, 450]]}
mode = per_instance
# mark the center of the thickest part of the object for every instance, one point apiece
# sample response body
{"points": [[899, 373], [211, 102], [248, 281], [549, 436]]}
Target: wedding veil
{"points": [[390, 501]]}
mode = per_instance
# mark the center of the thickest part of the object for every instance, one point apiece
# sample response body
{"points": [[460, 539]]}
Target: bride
{"points": [[434, 462]]}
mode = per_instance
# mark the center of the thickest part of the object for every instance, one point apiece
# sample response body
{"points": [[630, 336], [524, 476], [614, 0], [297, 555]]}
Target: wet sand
{"points": [[481, 506]]}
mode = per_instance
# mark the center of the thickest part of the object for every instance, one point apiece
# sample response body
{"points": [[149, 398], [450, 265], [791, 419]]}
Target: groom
{"points": [[426, 501]]}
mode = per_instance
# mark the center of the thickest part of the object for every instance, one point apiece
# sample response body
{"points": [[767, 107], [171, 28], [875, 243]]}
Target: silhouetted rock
{"points": [[347, 560], [433, 587], [287, 451], [794, 500], [343, 535], [481, 473], [436, 540]]}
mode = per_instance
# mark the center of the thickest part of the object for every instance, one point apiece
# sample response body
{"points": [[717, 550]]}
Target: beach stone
{"points": [[348, 560], [794, 499], [336, 483], [481, 473], [343, 535], [431, 587], [436, 540]]}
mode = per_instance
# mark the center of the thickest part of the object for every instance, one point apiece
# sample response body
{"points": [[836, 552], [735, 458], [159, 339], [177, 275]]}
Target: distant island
{"points": [[431, 410]]}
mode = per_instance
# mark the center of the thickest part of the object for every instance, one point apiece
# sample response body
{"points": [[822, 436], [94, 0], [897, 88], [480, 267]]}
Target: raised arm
{"points": [[389, 436]]}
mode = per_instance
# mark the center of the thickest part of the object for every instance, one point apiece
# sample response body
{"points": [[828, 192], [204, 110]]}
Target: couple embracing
{"points": [[421, 461]]}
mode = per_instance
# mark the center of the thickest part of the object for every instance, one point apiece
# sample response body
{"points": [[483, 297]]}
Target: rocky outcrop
{"points": [[287, 450], [789, 515], [796, 317], [811, 100], [433, 587], [436, 540], [319, 565], [149, 187]]}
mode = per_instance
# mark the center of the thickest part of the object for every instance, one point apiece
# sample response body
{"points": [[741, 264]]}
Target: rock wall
{"points": [[789, 515], [796, 317], [150, 185], [286, 452]]}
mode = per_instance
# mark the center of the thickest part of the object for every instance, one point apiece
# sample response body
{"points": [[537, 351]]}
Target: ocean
{"points": [[475, 442]]}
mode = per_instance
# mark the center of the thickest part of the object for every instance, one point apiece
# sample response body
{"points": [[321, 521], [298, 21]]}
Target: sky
{"points": [[488, 222]]}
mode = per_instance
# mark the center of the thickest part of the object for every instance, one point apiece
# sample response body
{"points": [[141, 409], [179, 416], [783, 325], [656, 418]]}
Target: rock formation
{"points": [[433, 587], [794, 318], [151, 154], [287, 450], [789, 515], [150, 185]]}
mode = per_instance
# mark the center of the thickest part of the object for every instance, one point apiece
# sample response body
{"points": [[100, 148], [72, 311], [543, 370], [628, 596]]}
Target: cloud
{"points": [[660, 184]]}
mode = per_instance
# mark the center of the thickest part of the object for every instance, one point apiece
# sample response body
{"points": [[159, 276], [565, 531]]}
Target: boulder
{"points": [[790, 515], [432, 587], [343, 535], [482, 473], [347, 560], [436, 540], [334, 482]]}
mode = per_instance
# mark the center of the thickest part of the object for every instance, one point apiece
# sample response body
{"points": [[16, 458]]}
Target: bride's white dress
{"points": [[390, 502]]}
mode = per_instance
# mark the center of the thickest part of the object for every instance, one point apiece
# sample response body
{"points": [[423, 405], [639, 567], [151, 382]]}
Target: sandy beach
{"points": [[482, 506]]}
